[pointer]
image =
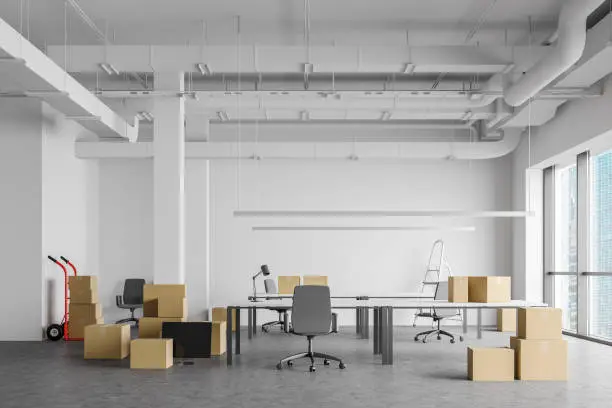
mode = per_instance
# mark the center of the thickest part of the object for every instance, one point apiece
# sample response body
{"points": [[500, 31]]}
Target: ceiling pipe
{"points": [[571, 42]]}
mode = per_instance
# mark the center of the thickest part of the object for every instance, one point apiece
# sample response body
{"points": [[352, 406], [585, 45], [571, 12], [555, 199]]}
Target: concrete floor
{"points": [[424, 375]]}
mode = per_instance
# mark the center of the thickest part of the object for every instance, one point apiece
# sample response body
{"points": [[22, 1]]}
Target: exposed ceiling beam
{"points": [[282, 59]]}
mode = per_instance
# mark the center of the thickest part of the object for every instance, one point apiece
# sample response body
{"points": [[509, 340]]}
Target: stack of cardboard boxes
{"points": [[162, 303], [479, 289], [84, 309], [540, 352]]}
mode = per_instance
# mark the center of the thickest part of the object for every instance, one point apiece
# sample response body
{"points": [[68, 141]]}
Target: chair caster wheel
{"points": [[279, 366], [326, 362], [452, 341], [312, 369], [424, 340], [342, 366], [416, 339], [439, 338], [289, 363], [460, 338]]}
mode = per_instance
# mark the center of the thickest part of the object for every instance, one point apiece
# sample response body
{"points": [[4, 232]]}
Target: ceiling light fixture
{"points": [[384, 213], [204, 69], [409, 68], [109, 68], [344, 228]]}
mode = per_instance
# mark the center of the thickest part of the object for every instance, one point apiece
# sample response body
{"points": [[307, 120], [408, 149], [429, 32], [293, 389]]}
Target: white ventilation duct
{"points": [[569, 49]]}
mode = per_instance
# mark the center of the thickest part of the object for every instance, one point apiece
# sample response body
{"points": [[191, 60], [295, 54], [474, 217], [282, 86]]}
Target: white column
{"points": [[583, 239], [169, 181]]}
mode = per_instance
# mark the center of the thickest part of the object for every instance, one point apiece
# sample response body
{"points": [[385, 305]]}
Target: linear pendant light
{"points": [[383, 213], [343, 228]]}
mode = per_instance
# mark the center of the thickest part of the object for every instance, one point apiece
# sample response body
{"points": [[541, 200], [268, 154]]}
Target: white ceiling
{"points": [[180, 21]]}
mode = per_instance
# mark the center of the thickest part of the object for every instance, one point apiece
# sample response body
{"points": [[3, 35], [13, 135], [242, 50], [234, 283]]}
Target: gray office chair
{"points": [[438, 315], [131, 299], [271, 289], [311, 317]]}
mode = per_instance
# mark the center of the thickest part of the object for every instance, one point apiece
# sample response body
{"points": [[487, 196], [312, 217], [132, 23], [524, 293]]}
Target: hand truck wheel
{"points": [[55, 332]]}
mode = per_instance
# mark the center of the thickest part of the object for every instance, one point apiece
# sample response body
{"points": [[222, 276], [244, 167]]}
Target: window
{"points": [[566, 259], [600, 287]]}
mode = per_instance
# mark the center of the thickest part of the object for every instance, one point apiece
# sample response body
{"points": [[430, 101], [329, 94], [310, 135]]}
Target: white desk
{"points": [[383, 317]]}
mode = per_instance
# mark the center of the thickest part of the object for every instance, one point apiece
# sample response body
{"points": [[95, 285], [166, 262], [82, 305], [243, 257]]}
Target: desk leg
{"points": [[387, 343], [383, 334], [366, 323], [228, 337], [237, 331], [390, 336], [380, 331], [254, 322], [479, 328], [375, 311], [250, 323], [286, 321], [465, 322], [358, 320]]}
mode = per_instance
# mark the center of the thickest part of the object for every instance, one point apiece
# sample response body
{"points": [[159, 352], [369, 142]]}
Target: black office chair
{"points": [[270, 286], [438, 315], [311, 316], [132, 299]]}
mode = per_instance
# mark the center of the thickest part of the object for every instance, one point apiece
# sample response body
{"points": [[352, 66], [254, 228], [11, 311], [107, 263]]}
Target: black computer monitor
{"points": [[190, 339]]}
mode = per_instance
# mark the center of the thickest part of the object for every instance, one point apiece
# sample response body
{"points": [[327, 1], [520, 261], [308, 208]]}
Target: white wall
{"points": [[386, 262], [382, 262], [70, 208], [126, 228], [21, 219]]}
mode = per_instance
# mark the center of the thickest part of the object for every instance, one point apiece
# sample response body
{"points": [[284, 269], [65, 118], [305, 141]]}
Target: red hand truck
{"points": [[56, 332]]}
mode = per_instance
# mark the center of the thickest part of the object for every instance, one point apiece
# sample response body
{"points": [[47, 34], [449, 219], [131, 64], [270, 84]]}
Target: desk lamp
{"points": [[263, 271]]}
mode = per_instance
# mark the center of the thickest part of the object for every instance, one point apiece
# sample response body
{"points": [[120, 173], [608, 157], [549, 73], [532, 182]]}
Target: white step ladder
{"points": [[438, 269]]}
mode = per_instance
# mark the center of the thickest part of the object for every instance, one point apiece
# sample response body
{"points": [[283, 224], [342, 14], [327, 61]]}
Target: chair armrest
{"points": [[119, 300]]}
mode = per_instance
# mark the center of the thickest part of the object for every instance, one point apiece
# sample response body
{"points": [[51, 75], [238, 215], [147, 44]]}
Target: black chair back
{"points": [[133, 291]]}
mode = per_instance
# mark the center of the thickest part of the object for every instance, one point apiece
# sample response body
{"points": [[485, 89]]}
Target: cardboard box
{"points": [[83, 289], [316, 280], [286, 284], [506, 320], [458, 289], [76, 328], [151, 354], [540, 323], [540, 360], [165, 307], [490, 364], [87, 312], [218, 343], [107, 341], [219, 314], [151, 291], [151, 327], [489, 289]]}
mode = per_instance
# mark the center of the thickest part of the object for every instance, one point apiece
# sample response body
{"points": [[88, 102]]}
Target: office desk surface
{"points": [[396, 303], [401, 295]]}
